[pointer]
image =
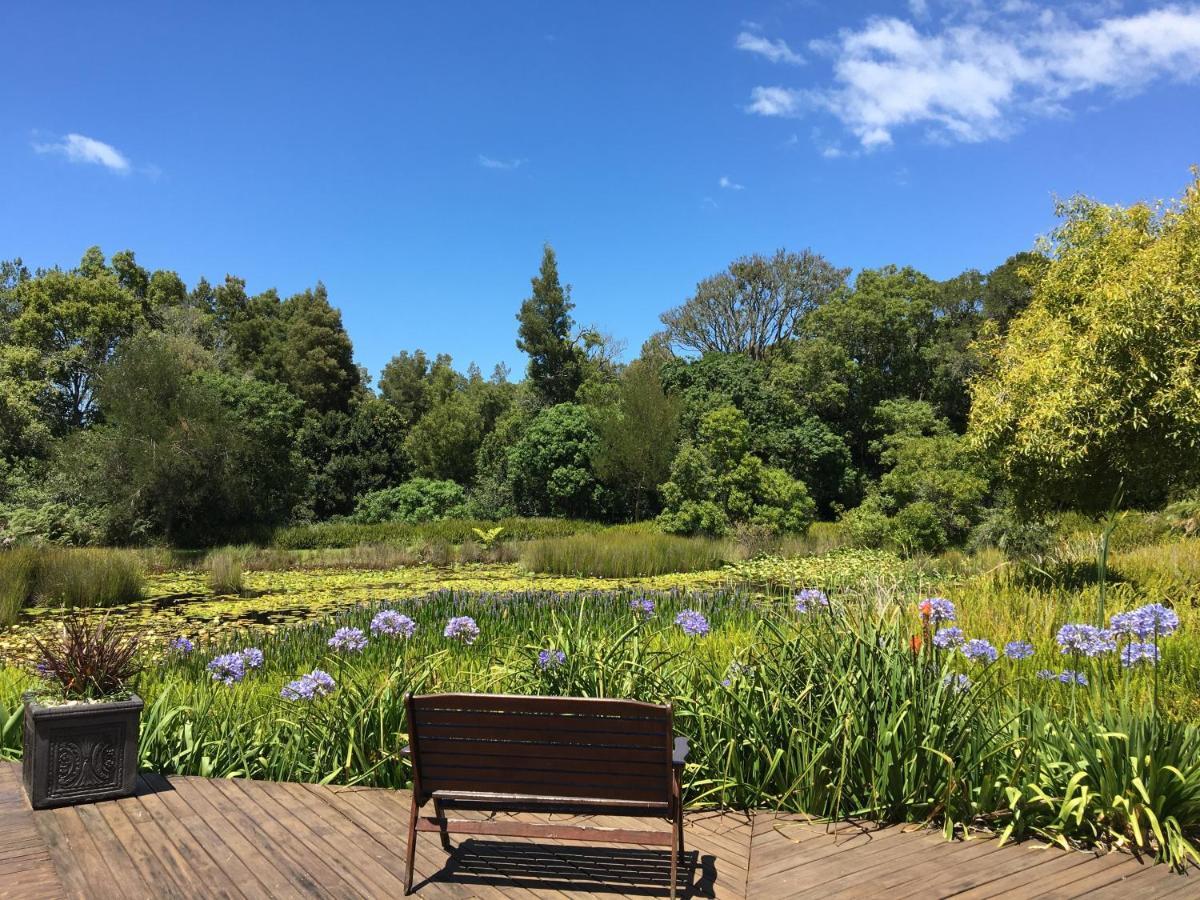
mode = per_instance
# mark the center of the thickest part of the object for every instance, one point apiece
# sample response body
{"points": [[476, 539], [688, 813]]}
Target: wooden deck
{"points": [[196, 837]]}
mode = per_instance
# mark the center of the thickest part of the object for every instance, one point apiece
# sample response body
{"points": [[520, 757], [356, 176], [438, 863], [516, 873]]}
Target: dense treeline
{"points": [[133, 408]]}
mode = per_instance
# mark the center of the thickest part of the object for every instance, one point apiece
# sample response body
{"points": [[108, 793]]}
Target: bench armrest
{"points": [[681, 751]]}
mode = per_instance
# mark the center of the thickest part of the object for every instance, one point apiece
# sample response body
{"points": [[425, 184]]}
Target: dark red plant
{"points": [[89, 659]]}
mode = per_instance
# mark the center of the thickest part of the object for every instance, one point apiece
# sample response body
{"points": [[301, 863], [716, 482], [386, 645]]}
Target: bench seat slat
{"points": [[542, 788], [608, 764], [657, 783], [554, 832], [583, 724], [544, 736]]}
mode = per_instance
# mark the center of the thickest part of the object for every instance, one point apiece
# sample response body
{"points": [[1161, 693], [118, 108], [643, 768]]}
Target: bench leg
{"points": [[412, 845], [437, 811]]}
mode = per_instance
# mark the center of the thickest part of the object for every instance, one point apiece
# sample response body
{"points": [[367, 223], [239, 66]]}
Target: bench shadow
{"points": [[612, 870]]}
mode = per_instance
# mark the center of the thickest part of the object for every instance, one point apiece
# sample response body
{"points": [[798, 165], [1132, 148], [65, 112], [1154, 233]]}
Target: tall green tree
{"points": [[556, 362]]}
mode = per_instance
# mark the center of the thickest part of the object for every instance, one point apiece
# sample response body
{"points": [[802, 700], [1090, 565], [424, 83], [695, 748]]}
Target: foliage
{"points": [[549, 467], [556, 362], [89, 659], [223, 569], [418, 500], [755, 305], [455, 531], [616, 554], [636, 438], [1095, 384], [717, 482]]}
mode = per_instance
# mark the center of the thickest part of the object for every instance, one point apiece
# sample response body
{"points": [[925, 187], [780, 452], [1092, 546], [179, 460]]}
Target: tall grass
{"points": [[450, 531], [224, 571], [617, 554], [59, 576]]}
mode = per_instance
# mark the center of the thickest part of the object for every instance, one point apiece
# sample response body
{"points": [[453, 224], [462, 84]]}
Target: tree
{"points": [[60, 329], [182, 455], [418, 500], [316, 353], [443, 443], [1097, 384], [556, 362], [638, 434], [755, 305], [717, 482], [549, 467]]}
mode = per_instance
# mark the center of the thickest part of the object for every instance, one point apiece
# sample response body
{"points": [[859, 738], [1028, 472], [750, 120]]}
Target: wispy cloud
{"points": [[729, 185], [489, 163], [775, 51], [980, 77], [79, 148]]}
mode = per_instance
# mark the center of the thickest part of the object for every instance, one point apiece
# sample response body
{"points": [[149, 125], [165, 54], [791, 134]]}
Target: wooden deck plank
{"points": [[182, 837]]}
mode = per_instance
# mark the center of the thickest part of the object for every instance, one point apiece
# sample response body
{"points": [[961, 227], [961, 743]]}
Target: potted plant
{"points": [[81, 725]]}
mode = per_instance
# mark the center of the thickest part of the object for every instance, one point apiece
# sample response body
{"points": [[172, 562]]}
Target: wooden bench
{"points": [[501, 753]]}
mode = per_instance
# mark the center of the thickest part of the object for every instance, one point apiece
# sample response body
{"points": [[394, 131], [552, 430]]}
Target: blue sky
{"points": [[416, 156]]}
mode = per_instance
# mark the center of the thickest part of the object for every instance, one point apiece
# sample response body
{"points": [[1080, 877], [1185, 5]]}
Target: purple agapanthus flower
{"points": [[1046, 674], [1018, 650], [1135, 653], [309, 687], [957, 683], [692, 622], [181, 645], [1087, 640], [643, 606], [462, 628], [1146, 622], [979, 650], [948, 638], [811, 599], [228, 668], [551, 659], [1073, 678], [348, 640], [252, 657], [393, 624], [937, 609]]}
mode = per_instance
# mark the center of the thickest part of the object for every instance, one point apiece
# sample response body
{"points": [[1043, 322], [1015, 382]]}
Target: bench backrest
{"points": [[541, 747]]}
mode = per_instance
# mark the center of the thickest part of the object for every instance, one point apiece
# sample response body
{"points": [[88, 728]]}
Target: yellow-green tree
{"points": [[1098, 381]]}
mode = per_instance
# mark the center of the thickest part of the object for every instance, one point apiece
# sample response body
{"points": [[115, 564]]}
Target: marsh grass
{"points": [[60, 576], [617, 554], [329, 535], [225, 571]]}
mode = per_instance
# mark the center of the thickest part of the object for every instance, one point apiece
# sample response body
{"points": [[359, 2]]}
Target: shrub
{"points": [[418, 500], [223, 570], [617, 555]]}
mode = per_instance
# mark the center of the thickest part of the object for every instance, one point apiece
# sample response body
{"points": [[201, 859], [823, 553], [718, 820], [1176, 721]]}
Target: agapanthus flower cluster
{"points": [[957, 683], [309, 687], [1017, 650], [948, 638], [692, 622], [979, 650], [551, 659], [1087, 640], [642, 606], [1073, 678], [1136, 653], [348, 640], [252, 657], [462, 628], [393, 624], [228, 668], [181, 645], [811, 599], [1146, 622], [937, 609]]}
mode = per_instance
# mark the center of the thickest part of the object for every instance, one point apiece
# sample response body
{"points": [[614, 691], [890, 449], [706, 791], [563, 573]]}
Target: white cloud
{"points": [[489, 163], [978, 81], [78, 148], [730, 185], [919, 8], [775, 101], [775, 51]]}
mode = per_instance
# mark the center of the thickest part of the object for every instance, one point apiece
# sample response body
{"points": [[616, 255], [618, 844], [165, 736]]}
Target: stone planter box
{"points": [[81, 753]]}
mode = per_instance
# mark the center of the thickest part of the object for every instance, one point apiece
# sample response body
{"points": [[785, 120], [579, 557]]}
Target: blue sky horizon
{"points": [[416, 157]]}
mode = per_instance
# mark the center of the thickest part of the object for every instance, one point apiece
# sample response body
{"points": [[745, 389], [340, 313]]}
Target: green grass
{"points": [[622, 554], [224, 571], [448, 531], [59, 576]]}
